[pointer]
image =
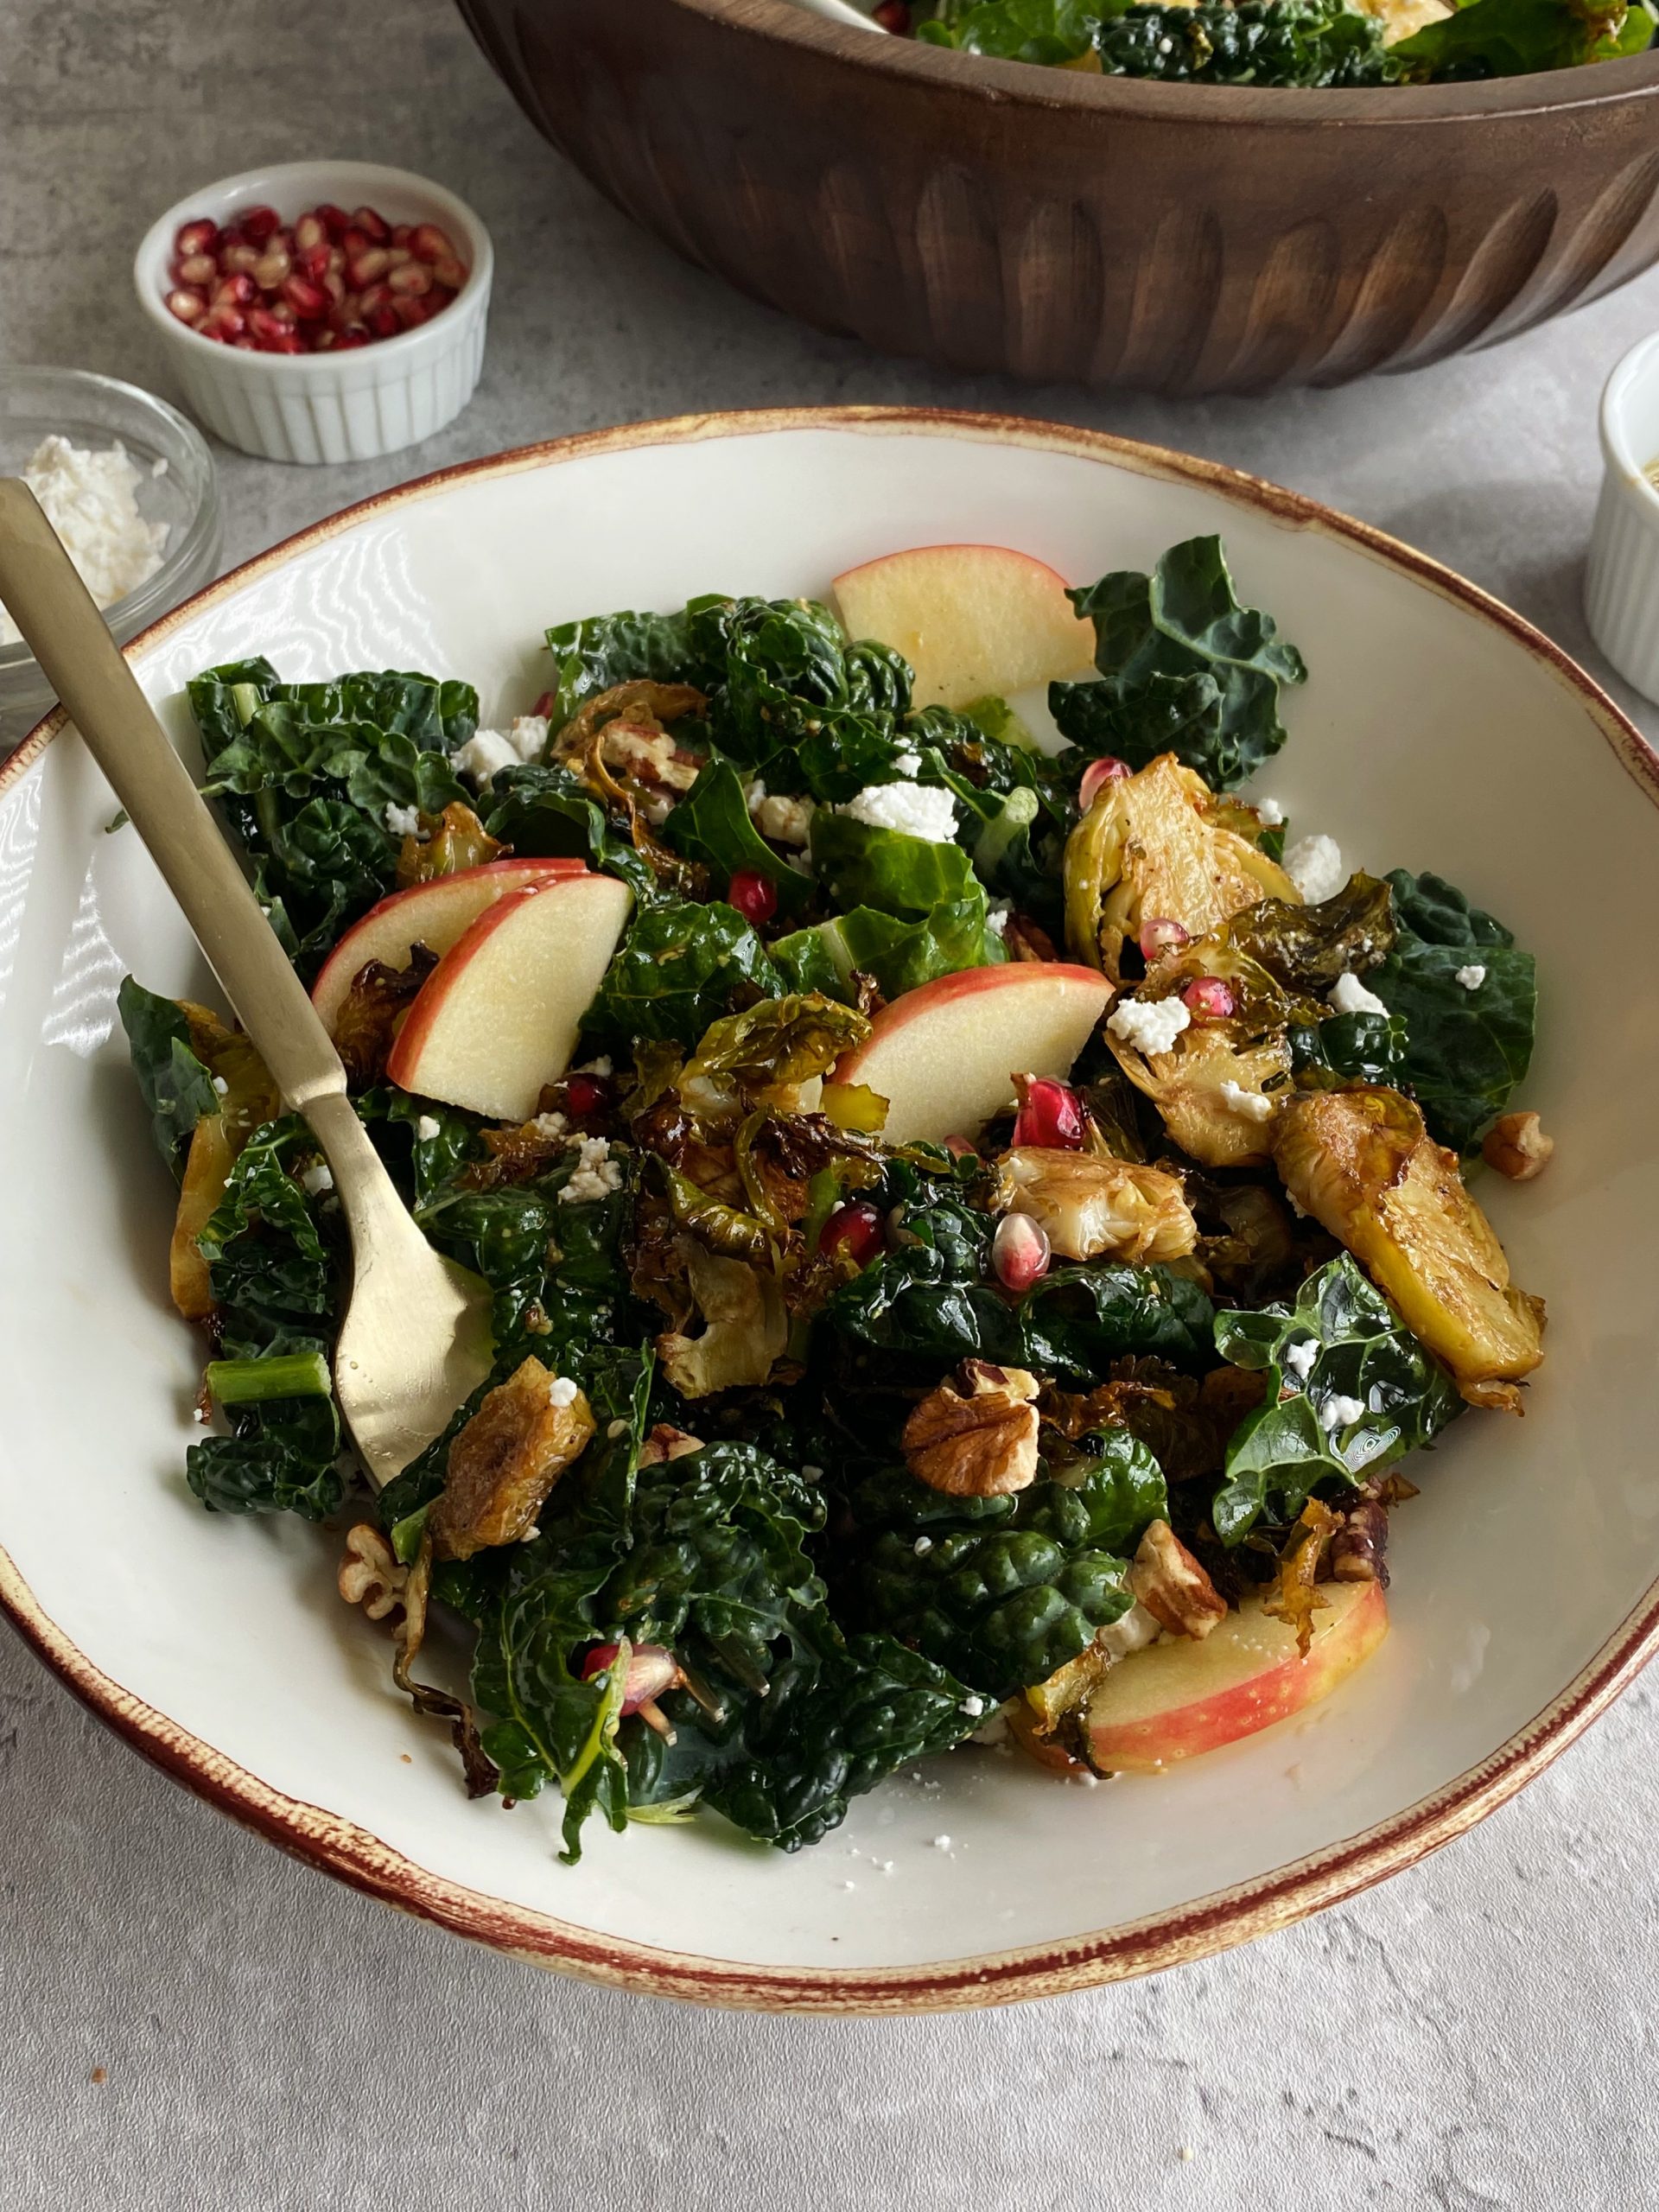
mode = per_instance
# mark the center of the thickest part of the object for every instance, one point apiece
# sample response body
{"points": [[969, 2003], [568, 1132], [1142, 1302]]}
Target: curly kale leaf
{"points": [[543, 810], [1468, 1045], [936, 1296], [1184, 667], [680, 966], [1338, 1346], [1284, 42], [1003, 1591], [276, 1280], [1013, 807], [1514, 38], [1016, 30], [602, 651], [711, 823], [178, 1090]]}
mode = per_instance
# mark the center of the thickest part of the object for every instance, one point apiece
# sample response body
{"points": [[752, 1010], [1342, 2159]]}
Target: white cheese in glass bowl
{"points": [[91, 499]]}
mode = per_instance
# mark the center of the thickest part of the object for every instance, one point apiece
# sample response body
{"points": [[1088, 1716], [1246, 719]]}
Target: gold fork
{"points": [[414, 1342]]}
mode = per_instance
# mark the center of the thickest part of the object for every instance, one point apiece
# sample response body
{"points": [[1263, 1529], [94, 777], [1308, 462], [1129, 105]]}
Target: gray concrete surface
{"points": [[193, 2024]]}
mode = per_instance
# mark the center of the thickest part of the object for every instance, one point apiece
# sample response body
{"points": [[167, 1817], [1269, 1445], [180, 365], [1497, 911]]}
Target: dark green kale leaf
{"points": [[1284, 42], [1184, 667], [1077, 1320], [1016, 30], [602, 651], [1514, 38], [1466, 1049], [177, 1088], [796, 704], [1340, 1343], [680, 966], [711, 823], [1003, 1591], [1350, 1048], [911, 909], [543, 810]]}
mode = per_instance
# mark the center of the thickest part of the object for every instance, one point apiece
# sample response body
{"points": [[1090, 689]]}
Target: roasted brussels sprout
{"points": [[1362, 1162], [1093, 1207]]}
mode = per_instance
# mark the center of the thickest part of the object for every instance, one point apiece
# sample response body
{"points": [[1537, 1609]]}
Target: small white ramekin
{"points": [[357, 405], [1621, 584]]}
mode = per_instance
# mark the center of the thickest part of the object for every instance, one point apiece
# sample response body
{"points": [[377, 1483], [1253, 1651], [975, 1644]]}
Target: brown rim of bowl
{"points": [[1196, 1931], [1032, 86]]}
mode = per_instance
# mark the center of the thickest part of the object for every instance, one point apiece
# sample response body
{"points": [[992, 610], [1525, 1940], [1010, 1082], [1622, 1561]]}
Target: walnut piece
{"points": [[506, 1460], [1516, 1146], [975, 1436], [1173, 1587], [369, 1573], [1359, 1547]]}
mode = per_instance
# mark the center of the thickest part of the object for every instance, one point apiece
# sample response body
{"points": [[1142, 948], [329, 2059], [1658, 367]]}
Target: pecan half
{"points": [[975, 1436], [369, 1573], [1173, 1587], [1516, 1146], [1359, 1547]]}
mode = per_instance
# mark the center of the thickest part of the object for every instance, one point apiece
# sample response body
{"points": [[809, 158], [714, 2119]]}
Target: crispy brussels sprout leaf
{"points": [[782, 1040], [1307, 948]]}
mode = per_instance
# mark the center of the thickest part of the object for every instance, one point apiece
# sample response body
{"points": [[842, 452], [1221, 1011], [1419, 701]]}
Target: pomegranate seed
{"points": [[1049, 1114], [333, 219], [308, 233], [1206, 998], [398, 256], [289, 342], [349, 340], [367, 267], [264, 327], [1159, 936], [852, 1230], [650, 1671], [411, 311], [399, 234], [271, 267], [587, 1095], [308, 301], [428, 242], [240, 259], [223, 321], [244, 346], [755, 895], [412, 278], [237, 291], [257, 223], [1020, 1252], [383, 322], [374, 227], [1096, 776], [192, 238], [334, 284], [282, 311], [354, 241], [375, 295], [196, 269], [312, 262], [448, 271], [893, 15], [323, 341], [189, 306], [544, 705]]}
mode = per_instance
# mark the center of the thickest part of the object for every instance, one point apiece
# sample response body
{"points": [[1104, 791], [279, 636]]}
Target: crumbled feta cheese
{"points": [[1149, 1025], [811, 1474], [1315, 866], [907, 763], [941, 1843], [483, 756], [1299, 1359], [1250, 1104], [997, 920], [596, 1173], [549, 1125], [427, 1128], [220, 1085], [316, 1179], [89, 500], [1134, 1629], [561, 1391], [1272, 814], [972, 1705], [528, 736], [602, 1066], [1348, 996], [922, 1544], [1472, 976], [402, 821], [1340, 1412], [784, 821], [918, 809]]}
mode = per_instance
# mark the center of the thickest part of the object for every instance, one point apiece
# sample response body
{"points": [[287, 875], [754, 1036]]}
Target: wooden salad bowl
{"points": [[992, 215]]}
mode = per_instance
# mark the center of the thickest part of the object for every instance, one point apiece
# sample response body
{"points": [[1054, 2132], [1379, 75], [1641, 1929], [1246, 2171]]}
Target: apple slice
{"points": [[1175, 1699], [436, 915], [970, 619], [498, 1016], [945, 1056]]}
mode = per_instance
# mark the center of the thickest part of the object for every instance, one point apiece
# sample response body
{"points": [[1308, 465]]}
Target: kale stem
{"points": [[291, 1374]]}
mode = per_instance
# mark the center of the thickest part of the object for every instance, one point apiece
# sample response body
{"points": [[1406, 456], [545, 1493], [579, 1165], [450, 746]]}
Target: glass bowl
{"points": [[98, 411]]}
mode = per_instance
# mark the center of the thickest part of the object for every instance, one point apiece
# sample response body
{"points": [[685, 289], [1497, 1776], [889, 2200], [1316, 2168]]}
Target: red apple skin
{"points": [[397, 917], [1174, 1700], [404, 1058]]}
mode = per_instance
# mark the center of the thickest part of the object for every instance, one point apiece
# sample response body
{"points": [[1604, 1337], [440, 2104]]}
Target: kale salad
{"points": [[1285, 43], [974, 1226]]}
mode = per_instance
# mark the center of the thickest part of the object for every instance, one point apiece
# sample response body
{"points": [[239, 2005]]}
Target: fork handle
{"points": [[70, 639]]}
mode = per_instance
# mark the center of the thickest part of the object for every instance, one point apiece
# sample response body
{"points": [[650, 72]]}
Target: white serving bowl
{"points": [[1621, 584], [1437, 731], [357, 405]]}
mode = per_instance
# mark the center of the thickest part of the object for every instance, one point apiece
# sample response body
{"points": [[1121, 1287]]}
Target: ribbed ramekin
{"points": [[1621, 585], [356, 405]]}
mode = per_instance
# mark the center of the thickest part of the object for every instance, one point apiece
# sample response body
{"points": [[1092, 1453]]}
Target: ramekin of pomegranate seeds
{"points": [[321, 311]]}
